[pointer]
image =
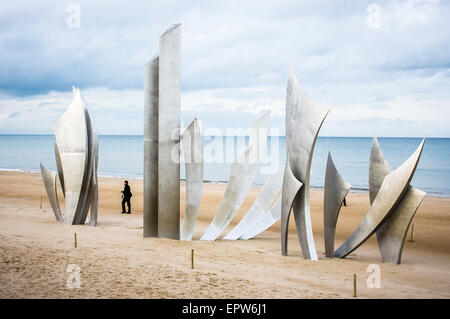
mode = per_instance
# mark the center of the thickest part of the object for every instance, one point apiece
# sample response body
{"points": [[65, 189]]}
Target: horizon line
{"points": [[337, 136]]}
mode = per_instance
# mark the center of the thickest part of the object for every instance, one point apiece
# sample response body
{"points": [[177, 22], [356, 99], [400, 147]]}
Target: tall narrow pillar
{"points": [[169, 133], [151, 96]]}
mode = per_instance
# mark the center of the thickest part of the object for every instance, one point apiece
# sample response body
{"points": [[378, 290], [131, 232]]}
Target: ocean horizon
{"points": [[123, 156]]}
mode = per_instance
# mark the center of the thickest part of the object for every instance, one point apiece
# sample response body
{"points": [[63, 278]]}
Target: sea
{"points": [[123, 156]]}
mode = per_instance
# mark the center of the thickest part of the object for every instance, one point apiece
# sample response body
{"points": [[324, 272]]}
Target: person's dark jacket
{"points": [[127, 192]]}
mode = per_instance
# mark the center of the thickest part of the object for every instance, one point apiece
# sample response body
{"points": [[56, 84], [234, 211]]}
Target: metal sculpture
{"points": [[49, 178], [392, 189], [88, 186], [266, 197], [76, 155], [72, 141], [193, 158], [59, 168], [242, 175], [264, 222], [151, 89], [241, 178], [162, 95], [93, 217], [304, 117], [392, 233], [290, 190], [336, 188], [169, 133]]}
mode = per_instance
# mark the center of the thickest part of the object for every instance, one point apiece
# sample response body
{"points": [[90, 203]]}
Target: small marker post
{"points": [[412, 231], [75, 239], [192, 258], [41, 202], [354, 286]]}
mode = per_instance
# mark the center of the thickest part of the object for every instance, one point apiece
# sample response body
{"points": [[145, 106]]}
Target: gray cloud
{"points": [[227, 46]]}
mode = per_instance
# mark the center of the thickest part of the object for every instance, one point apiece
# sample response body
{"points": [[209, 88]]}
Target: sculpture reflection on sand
{"points": [[76, 154]]}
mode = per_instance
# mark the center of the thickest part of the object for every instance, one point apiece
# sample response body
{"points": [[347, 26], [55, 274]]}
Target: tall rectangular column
{"points": [[169, 133], [151, 106]]}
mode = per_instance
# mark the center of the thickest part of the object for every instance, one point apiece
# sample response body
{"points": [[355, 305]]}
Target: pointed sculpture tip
{"points": [[77, 93], [292, 71], [153, 60], [422, 144], [172, 27], [265, 113], [293, 77], [292, 68], [375, 141]]}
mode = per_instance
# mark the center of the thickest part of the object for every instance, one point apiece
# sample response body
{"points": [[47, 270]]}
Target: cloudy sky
{"points": [[382, 66]]}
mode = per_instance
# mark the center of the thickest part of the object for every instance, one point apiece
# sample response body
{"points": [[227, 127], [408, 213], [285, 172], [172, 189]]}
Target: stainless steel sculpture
{"points": [[76, 154], [94, 186], [304, 117], [264, 222], [49, 178], [391, 234], [290, 190], [266, 197], [72, 141], [169, 133], [394, 186], [241, 178], [193, 158], [242, 175], [88, 186], [59, 168], [336, 188], [151, 106], [162, 95]]}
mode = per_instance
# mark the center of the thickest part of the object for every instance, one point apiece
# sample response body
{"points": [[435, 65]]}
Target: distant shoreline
{"points": [[353, 190]]}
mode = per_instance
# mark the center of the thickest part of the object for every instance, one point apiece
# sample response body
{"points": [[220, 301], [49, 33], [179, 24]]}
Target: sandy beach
{"points": [[117, 262]]}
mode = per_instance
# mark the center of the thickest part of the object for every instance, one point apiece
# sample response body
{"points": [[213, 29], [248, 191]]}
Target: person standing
{"points": [[126, 197]]}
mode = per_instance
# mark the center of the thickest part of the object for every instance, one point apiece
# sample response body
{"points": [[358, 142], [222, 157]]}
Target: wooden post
{"points": [[75, 239], [354, 285], [192, 258]]}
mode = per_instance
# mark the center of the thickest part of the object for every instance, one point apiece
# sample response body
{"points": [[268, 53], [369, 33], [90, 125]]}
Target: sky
{"points": [[383, 67]]}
